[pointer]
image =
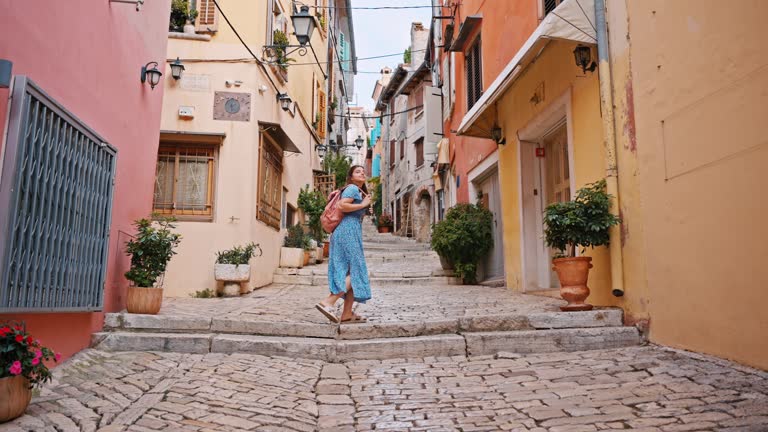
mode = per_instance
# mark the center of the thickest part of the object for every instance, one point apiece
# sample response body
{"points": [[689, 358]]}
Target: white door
{"points": [[494, 265], [557, 182]]}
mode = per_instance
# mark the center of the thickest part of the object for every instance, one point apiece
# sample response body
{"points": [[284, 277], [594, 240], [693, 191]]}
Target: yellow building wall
{"points": [[556, 72], [237, 171], [700, 80]]}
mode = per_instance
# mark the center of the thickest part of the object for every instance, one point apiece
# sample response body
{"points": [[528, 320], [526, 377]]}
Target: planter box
{"points": [[234, 279], [291, 257], [232, 272], [319, 255]]}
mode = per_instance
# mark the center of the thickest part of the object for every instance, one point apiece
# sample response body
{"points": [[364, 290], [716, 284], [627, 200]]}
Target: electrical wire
{"points": [[382, 115], [349, 61]]}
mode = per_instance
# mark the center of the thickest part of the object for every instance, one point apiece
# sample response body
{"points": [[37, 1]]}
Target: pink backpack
{"points": [[332, 214]]}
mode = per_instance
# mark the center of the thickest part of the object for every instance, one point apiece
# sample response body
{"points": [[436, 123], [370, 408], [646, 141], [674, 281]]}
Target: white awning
{"points": [[572, 20]]}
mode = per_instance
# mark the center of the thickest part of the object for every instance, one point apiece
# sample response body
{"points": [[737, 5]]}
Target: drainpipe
{"points": [[609, 141]]}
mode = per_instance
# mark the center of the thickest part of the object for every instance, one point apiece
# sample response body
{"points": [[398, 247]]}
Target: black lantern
{"points": [[285, 101], [153, 75], [496, 135], [359, 142], [583, 56], [303, 25], [321, 150], [176, 69]]}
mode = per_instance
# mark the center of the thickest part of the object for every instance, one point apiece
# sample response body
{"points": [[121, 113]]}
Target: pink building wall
{"points": [[87, 55]]}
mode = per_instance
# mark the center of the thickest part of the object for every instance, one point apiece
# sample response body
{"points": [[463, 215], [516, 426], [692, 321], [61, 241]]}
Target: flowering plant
{"points": [[21, 354], [385, 219]]}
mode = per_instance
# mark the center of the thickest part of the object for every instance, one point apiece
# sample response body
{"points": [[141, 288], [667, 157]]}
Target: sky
{"points": [[379, 32]]}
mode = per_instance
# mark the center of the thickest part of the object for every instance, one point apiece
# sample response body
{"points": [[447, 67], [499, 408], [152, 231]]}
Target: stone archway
{"points": [[422, 215]]}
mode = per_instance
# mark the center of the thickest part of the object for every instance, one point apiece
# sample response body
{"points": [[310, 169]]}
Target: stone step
{"points": [[125, 322], [443, 345], [417, 280], [400, 273], [396, 247]]}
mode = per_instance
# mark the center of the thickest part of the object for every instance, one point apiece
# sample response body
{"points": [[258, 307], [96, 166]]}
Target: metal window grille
{"points": [[55, 207], [184, 180], [473, 68]]}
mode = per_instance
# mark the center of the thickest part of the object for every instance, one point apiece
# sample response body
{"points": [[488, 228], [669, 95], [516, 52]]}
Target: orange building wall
{"points": [[505, 27]]}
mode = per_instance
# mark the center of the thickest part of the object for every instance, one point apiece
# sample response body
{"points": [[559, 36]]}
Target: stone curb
{"points": [[545, 341]]}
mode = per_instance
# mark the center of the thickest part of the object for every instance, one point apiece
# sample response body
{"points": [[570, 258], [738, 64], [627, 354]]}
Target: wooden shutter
{"points": [[207, 17], [323, 110], [392, 154], [474, 72]]}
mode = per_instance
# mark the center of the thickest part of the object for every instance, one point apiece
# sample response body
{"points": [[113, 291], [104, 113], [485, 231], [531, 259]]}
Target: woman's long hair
{"points": [[349, 177]]}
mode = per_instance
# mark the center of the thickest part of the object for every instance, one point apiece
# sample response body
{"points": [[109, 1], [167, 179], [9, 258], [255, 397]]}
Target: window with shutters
{"points": [[270, 188], [402, 149], [419, 152], [392, 154], [474, 71], [549, 5], [278, 20], [322, 15], [207, 20], [184, 178], [321, 115]]}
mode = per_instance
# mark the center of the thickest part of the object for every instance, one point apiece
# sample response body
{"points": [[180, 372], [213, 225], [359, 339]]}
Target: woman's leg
{"points": [[333, 298], [349, 301]]}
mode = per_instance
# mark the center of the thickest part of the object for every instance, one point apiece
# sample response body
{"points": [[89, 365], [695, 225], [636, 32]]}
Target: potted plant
{"points": [[292, 252], [22, 367], [580, 223], [150, 251], [233, 270], [309, 250], [463, 238], [385, 223]]}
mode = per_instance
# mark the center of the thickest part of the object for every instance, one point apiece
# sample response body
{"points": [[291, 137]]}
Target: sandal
{"points": [[328, 312], [356, 319]]}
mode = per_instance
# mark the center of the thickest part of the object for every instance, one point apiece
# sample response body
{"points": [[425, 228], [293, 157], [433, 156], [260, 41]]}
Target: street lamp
{"points": [[152, 74], [359, 142], [321, 150], [176, 69], [303, 25], [285, 101]]}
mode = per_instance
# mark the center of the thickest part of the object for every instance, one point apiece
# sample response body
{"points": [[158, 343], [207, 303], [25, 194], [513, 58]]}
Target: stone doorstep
{"points": [[488, 323], [541, 341]]}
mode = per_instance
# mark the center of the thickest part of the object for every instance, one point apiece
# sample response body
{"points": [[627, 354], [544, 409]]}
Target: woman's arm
{"points": [[347, 206]]}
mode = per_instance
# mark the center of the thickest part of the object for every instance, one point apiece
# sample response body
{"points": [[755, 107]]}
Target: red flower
{"points": [[19, 338], [29, 340]]}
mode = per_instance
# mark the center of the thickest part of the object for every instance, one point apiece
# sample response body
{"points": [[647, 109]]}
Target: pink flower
{"points": [[35, 361], [58, 356], [15, 368], [38, 354]]}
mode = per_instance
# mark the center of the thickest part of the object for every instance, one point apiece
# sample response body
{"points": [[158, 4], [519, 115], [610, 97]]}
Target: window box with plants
{"points": [[22, 368], [150, 251], [233, 270], [292, 252], [463, 238], [281, 60], [385, 223], [578, 224], [182, 17]]}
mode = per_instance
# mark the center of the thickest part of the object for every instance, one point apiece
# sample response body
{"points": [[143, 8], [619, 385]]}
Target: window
{"points": [[440, 205], [419, 152], [474, 71], [322, 15], [277, 21], [402, 149], [184, 179], [392, 154], [269, 199], [321, 115], [207, 20], [550, 5]]}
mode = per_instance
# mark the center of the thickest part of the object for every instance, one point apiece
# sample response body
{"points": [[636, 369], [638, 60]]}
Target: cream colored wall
{"points": [[556, 69], [237, 168], [700, 82]]}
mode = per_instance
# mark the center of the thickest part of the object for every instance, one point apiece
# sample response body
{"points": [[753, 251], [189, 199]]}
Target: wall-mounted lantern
{"points": [[285, 101], [152, 75], [303, 25], [583, 56], [176, 69]]}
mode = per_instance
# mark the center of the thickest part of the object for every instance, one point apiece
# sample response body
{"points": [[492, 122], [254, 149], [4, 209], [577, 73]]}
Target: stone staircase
{"points": [[418, 310]]}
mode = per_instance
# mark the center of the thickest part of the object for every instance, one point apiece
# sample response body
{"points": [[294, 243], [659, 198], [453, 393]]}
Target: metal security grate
{"points": [[473, 64], [55, 207], [550, 5]]}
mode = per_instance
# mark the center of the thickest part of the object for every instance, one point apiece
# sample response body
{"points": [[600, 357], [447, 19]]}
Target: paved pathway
{"points": [[640, 388]]}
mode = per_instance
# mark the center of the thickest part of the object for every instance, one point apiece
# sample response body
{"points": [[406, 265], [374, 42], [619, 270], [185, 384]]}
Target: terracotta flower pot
{"points": [[326, 249], [573, 274], [306, 258], [144, 300], [15, 395], [384, 229]]}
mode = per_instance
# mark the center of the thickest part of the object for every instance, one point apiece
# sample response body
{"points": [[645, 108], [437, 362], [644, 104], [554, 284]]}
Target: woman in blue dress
{"points": [[347, 271]]}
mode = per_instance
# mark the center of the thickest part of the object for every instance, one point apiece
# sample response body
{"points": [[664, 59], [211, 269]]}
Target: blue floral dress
{"points": [[346, 254]]}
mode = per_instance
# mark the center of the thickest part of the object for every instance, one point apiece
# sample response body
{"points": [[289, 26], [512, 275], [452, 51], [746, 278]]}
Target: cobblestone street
{"points": [[640, 388]]}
